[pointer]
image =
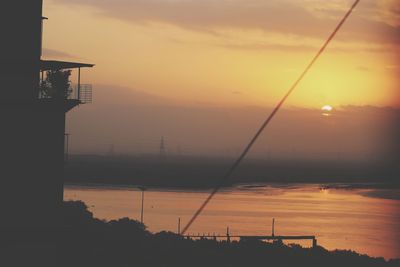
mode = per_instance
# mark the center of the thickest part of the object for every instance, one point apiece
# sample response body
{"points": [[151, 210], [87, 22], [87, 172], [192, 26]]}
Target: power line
{"points": [[269, 118]]}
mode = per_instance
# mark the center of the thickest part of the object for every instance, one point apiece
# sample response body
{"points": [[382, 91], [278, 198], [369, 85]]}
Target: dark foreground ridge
{"points": [[87, 241]]}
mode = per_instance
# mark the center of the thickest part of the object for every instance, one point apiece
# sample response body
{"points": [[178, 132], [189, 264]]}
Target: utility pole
{"points": [[273, 226], [179, 226], [162, 147], [141, 188], [228, 237], [66, 149]]}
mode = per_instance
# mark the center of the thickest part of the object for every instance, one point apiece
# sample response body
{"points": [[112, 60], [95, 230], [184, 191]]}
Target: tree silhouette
{"points": [[57, 84]]}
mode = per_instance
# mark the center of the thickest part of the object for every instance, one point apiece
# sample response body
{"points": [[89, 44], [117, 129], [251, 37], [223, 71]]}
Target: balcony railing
{"points": [[82, 93]]}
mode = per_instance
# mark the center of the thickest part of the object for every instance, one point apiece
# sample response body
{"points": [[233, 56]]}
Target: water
{"points": [[364, 220]]}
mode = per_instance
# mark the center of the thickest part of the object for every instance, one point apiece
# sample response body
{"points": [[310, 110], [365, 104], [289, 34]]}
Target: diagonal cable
{"points": [[266, 122]]}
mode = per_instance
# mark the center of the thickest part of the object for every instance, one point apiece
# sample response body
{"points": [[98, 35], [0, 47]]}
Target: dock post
{"points": [[314, 243], [228, 238]]}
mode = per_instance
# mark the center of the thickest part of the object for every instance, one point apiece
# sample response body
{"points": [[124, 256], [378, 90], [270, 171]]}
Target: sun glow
{"points": [[327, 108]]}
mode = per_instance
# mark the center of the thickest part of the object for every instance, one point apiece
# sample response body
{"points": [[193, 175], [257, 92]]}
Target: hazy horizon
{"points": [[133, 122]]}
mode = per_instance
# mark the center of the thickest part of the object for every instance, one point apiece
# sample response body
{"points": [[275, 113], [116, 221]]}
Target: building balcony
{"points": [[55, 86], [79, 92]]}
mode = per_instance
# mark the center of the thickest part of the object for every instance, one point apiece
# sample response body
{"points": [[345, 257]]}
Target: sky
{"points": [[212, 57], [133, 123]]}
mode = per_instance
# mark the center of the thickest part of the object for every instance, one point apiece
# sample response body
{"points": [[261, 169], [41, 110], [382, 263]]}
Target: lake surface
{"points": [[364, 220]]}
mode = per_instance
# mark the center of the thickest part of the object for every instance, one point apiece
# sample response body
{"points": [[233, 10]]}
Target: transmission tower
{"points": [[162, 147]]}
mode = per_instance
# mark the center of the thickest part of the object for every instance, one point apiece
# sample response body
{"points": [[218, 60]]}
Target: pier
{"points": [[278, 239], [275, 238]]}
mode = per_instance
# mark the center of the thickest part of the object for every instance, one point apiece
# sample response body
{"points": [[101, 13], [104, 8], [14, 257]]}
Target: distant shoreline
{"points": [[203, 173], [375, 190]]}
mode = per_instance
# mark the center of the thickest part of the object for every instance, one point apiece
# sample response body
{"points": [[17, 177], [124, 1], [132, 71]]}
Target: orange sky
{"points": [[240, 52]]}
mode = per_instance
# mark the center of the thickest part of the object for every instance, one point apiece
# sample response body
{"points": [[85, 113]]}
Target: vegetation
{"points": [[57, 84], [91, 242]]}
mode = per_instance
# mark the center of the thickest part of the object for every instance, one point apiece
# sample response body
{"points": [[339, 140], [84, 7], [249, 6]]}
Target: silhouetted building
{"points": [[32, 121]]}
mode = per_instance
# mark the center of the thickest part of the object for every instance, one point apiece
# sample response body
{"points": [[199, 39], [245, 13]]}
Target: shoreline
{"points": [[376, 190]]}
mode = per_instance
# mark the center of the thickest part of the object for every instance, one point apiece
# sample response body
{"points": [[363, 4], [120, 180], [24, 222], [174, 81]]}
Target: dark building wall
{"points": [[20, 28], [32, 130], [32, 157]]}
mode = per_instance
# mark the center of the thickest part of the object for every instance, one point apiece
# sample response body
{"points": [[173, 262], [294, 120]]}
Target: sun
{"points": [[326, 110]]}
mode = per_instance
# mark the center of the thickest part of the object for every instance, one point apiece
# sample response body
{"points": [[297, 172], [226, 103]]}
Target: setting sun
{"points": [[327, 108]]}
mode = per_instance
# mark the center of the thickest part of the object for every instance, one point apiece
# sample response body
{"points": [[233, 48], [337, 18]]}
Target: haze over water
{"points": [[340, 219]]}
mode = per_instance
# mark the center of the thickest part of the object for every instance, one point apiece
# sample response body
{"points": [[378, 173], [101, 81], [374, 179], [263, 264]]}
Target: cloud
{"points": [[294, 48], [271, 46], [392, 67], [371, 21], [363, 68], [54, 54]]}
